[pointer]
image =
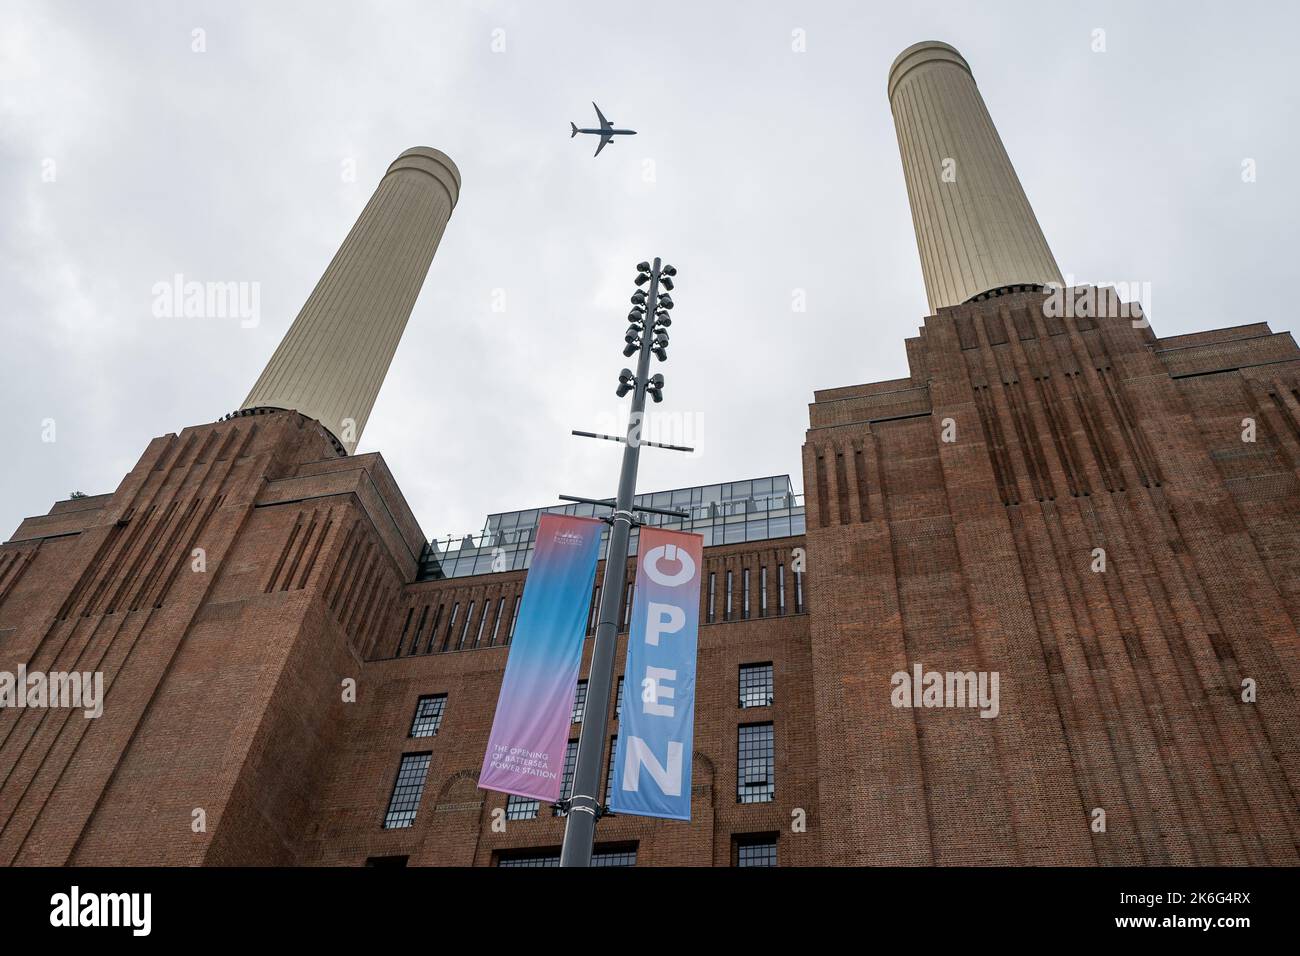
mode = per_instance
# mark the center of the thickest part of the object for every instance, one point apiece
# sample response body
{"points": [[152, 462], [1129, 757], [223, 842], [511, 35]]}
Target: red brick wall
{"points": [[1120, 690]]}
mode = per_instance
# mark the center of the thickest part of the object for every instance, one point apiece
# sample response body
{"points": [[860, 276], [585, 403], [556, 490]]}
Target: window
{"points": [[744, 587], [433, 630], [753, 849], [609, 771], [451, 626], [406, 629], [780, 589], [627, 607], [407, 791], [607, 855], [595, 611], [621, 856], [521, 808], [464, 628], [726, 608], [482, 623], [755, 764], [570, 765], [798, 592], [428, 715], [713, 594], [514, 617], [762, 591], [528, 858], [756, 685], [496, 625], [618, 701], [579, 702]]}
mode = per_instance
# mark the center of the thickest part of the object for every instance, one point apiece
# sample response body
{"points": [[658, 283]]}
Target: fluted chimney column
{"points": [[975, 230], [332, 362]]}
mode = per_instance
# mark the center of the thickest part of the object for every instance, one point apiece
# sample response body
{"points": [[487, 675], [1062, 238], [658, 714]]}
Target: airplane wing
{"points": [[604, 140], [604, 123]]}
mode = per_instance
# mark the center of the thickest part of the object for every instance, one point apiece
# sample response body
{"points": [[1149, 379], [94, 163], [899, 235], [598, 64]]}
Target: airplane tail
{"points": [[574, 127]]}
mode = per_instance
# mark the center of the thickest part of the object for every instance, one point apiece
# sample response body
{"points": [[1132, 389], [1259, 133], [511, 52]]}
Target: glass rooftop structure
{"points": [[727, 513]]}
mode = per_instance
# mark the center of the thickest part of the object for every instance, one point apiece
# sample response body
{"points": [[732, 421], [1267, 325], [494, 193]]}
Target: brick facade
{"points": [[1121, 690]]}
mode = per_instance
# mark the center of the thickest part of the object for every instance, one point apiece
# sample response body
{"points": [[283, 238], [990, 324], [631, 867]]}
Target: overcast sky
{"points": [[126, 157]]}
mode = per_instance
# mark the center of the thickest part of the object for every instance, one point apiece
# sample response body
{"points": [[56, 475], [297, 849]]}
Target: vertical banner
{"points": [[530, 732], [652, 769]]}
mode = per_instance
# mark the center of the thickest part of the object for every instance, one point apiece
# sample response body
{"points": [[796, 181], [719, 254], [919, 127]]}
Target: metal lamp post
{"points": [[647, 335]]}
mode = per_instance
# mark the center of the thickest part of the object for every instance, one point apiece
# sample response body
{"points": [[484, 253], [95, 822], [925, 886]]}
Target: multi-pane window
{"points": [[755, 849], [755, 764], [622, 856], [520, 808], [713, 595], [464, 628], [496, 625], [451, 626], [756, 685], [406, 629], [407, 791], [579, 702], [618, 701], [428, 715], [609, 771], [602, 856], [529, 859], [570, 765], [433, 630]]}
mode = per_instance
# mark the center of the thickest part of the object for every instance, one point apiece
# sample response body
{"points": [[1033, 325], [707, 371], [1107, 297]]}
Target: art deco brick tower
{"points": [[226, 591], [334, 358], [975, 229], [955, 520]]}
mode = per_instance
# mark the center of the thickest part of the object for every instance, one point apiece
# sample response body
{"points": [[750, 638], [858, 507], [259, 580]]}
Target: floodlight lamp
{"points": [[667, 283], [642, 278]]}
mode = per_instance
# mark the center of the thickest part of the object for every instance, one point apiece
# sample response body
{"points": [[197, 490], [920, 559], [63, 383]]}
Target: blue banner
{"points": [[652, 766]]}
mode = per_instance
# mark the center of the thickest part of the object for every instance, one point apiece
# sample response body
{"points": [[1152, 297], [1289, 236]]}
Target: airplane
{"points": [[606, 131]]}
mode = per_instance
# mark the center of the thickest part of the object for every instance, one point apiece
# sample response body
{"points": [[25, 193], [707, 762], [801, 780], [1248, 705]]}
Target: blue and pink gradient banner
{"points": [[652, 769], [530, 733]]}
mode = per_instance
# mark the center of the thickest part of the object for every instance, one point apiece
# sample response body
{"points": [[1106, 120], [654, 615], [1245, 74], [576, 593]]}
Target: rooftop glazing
{"points": [[728, 513]]}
